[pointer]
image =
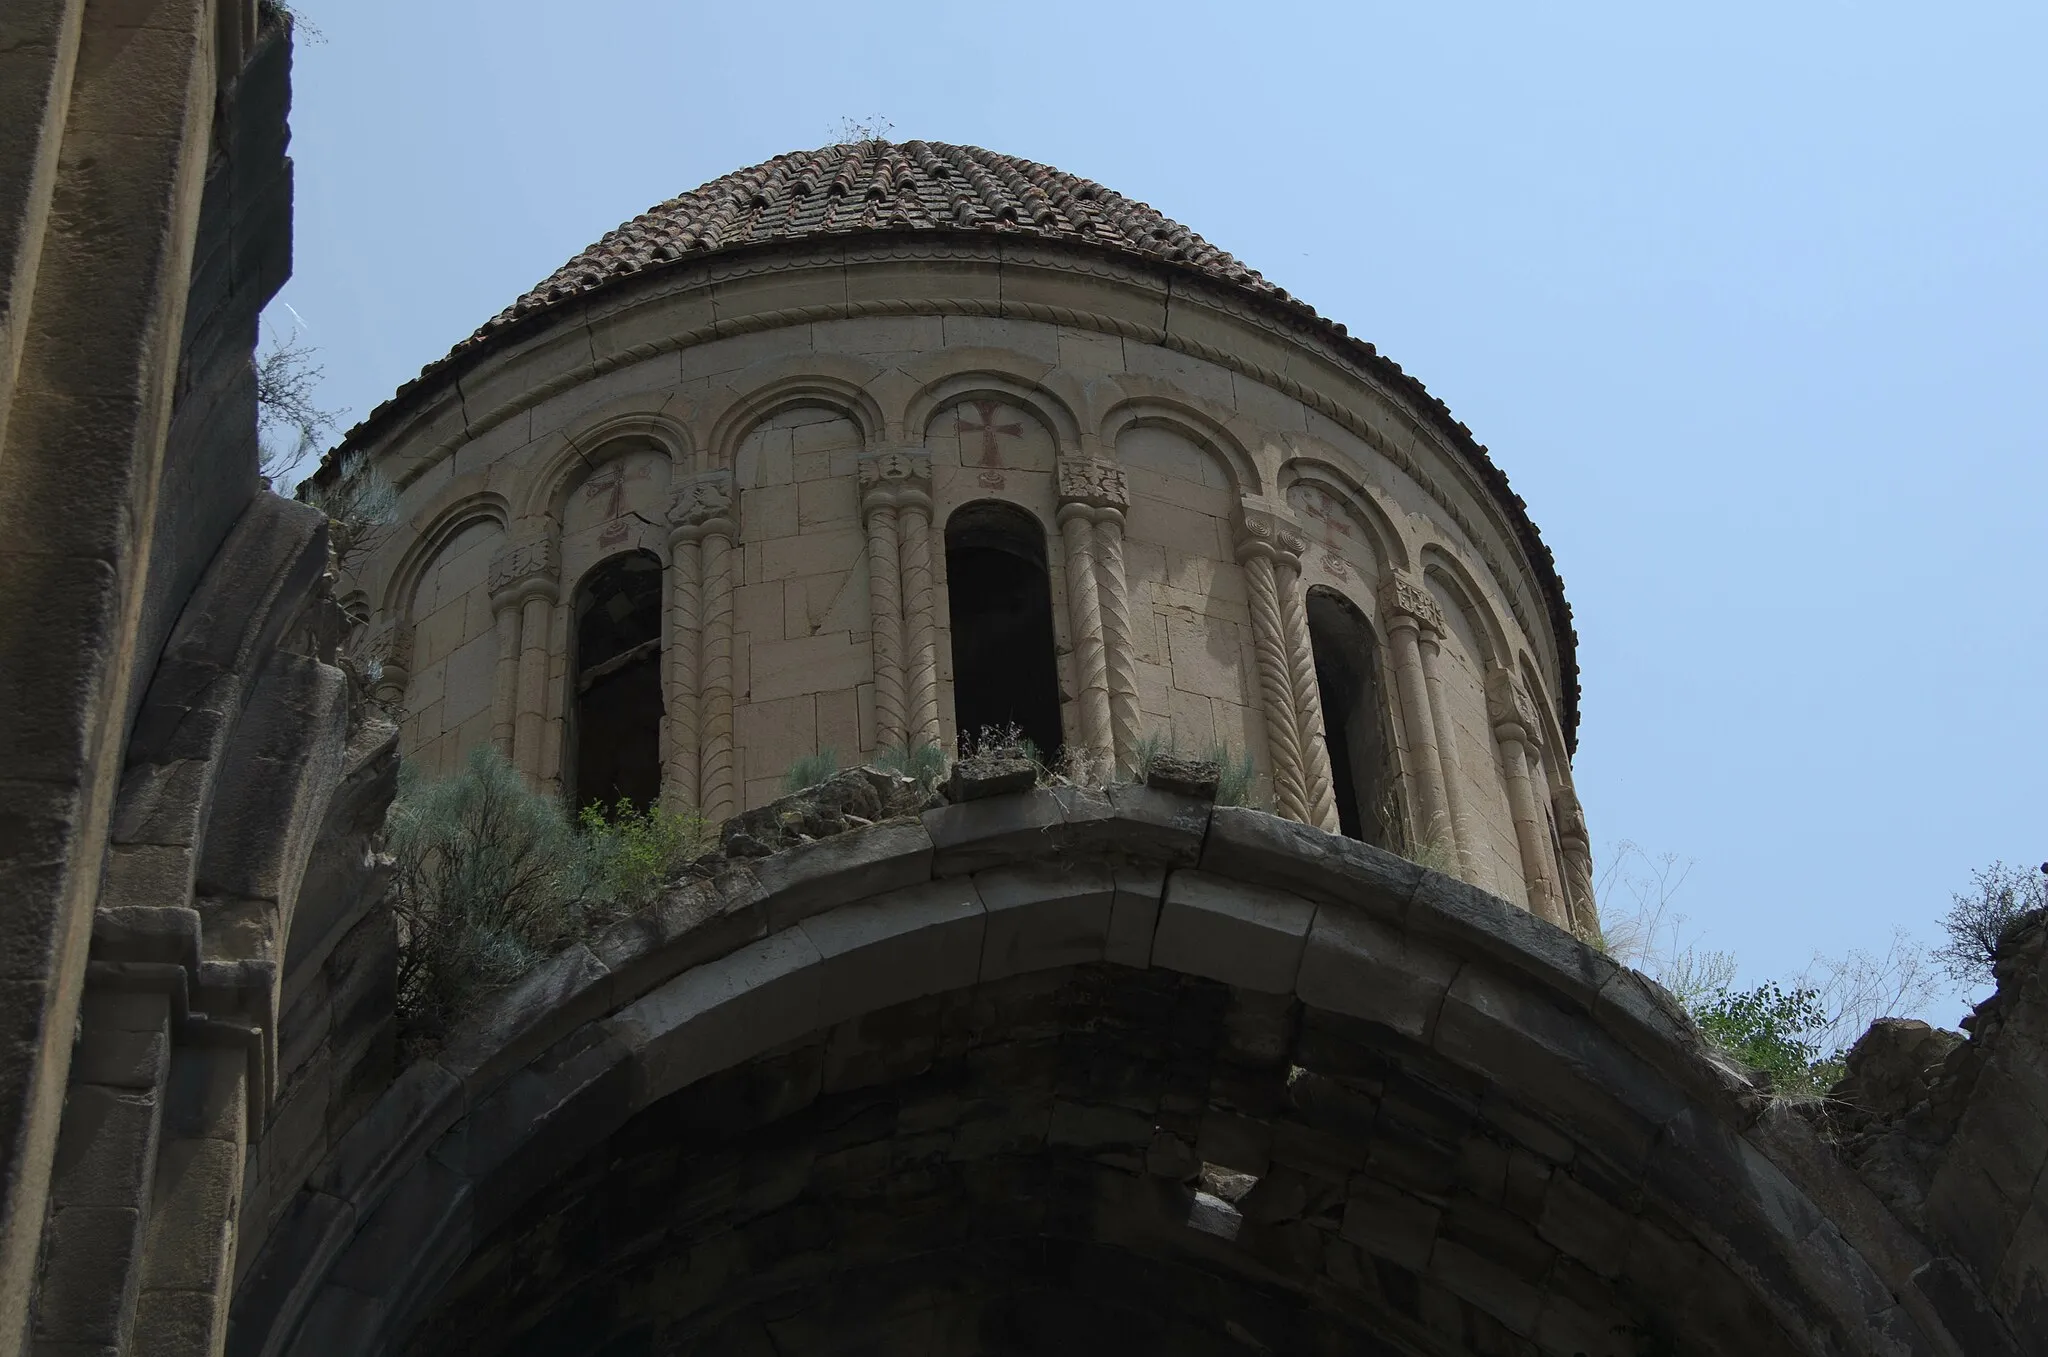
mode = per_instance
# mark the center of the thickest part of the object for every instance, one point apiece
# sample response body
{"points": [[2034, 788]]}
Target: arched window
{"points": [[1004, 672], [1347, 679], [615, 730]]}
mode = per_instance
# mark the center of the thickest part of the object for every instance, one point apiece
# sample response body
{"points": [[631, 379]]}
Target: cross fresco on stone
{"points": [[991, 458], [1335, 528], [612, 481]]}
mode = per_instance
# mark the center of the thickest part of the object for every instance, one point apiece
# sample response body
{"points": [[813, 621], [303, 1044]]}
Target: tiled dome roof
{"points": [[880, 186]]}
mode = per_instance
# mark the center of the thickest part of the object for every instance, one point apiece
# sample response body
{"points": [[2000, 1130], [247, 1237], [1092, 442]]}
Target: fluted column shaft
{"points": [[505, 676], [895, 483], [525, 582], [1514, 730], [701, 535], [921, 657], [1412, 618]]}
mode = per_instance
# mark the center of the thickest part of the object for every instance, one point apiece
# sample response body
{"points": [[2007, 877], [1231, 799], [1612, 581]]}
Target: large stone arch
{"points": [[822, 379], [1468, 1132], [570, 456]]}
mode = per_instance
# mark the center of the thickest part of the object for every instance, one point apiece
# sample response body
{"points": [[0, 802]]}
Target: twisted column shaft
{"points": [[921, 661], [700, 754], [685, 664], [1091, 671], [1114, 593], [1276, 688], [505, 677], [1319, 801], [885, 610], [1455, 830], [715, 778]]}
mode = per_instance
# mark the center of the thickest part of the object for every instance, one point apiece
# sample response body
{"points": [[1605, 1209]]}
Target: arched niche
{"points": [[1347, 661], [454, 649], [1340, 544], [804, 441], [616, 705], [617, 502], [1004, 669], [981, 440], [1167, 463]]}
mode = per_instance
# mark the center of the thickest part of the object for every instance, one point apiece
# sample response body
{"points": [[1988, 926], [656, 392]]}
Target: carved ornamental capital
{"points": [[529, 568], [894, 477], [1405, 596], [1511, 709], [701, 507], [1263, 530], [1093, 482], [1571, 820]]}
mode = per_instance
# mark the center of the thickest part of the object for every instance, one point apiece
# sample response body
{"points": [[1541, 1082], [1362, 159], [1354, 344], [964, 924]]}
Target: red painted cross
{"points": [[613, 480], [1329, 515], [988, 429]]}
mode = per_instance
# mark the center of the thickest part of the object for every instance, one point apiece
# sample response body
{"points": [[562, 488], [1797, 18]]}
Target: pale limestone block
{"points": [[656, 321], [1155, 686], [1206, 657], [1232, 931], [817, 430], [722, 357], [473, 733], [893, 948], [806, 664], [1365, 969], [1043, 915], [758, 612], [764, 458], [1090, 352], [1027, 338], [1219, 579], [720, 1013], [769, 511], [839, 602], [826, 502], [758, 791], [1134, 916], [425, 689], [430, 722], [814, 553], [469, 674], [1190, 720], [1183, 374], [896, 279], [1155, 522], [838, 724], [436, 636], [879, 337], [775, 734]]}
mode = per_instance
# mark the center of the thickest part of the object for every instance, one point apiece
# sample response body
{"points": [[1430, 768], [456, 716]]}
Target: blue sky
{"points": [[1747, 299]]}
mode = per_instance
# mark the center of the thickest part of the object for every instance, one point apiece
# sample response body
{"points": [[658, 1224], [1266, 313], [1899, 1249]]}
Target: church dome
{"points": [[880, 186]]}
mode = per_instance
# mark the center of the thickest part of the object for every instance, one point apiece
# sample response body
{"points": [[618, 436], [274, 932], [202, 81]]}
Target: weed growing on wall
{"points": [[629, 853], [923, 763], [810, 770], [1238, 782]]}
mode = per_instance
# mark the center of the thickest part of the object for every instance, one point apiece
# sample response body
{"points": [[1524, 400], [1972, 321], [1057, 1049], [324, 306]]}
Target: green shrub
{"points": [[630, 853], [923, 763], [1238, 776], [488, 883], [810, 770], [1774, 1030]]}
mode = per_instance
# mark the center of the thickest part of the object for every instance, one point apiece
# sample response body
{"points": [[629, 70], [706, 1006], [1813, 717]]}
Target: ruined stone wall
{"points": [[794, 467]]}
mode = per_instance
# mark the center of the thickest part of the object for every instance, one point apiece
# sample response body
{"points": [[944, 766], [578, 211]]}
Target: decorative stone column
{"points": [[1319, 799], [388, 647], [698, 772], [1410, 612], [1269, 548], [1093, 500], [1515, 729], [1576, 846], [525, 578], [890, 481], [912, 497]]}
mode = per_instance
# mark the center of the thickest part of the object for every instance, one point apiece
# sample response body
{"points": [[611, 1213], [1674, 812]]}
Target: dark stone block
{"points": [[1254, 846], [421, 1104], [977, 834], [567, 990], [1197, 779], [986, 775]]}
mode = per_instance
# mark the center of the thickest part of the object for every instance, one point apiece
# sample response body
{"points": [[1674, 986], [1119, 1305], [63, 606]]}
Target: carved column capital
{"points": [[1571, 818], [1093, 482], [894, 477], [529, 568], [1269, 532], [701, 507], [386, 656], [1406, 600], [1511, 709]]}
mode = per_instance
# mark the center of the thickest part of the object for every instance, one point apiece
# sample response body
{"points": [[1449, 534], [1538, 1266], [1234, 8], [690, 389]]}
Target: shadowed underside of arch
{"points": [[1067, 1070]]}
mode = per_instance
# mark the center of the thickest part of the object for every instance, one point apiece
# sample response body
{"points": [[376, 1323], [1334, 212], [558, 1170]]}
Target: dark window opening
{"points": [[1354, 722], [615, 732], [1004, 671]]}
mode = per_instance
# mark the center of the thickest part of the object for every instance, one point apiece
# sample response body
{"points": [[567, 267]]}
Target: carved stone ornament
{"points": [[535, 561], [1507, 700], [1094, 482], [894, 469], [700, 499], [1407, 596], [1571, 816], [389, 643], [1263, 528]]}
